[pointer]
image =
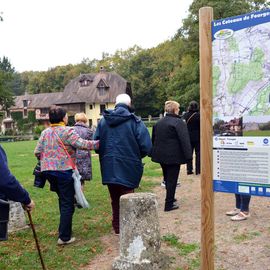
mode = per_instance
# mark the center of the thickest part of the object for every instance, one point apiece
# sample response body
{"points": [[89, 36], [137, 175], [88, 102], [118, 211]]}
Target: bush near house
{"points": [[24, 125]]}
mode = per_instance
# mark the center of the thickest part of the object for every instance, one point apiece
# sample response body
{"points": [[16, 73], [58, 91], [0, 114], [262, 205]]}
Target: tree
{"points": [[6, 79], [187, 74]]}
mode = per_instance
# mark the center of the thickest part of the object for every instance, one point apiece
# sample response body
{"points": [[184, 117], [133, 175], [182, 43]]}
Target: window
{"points": [[85, 83], [101, 91], [44, 110], [91, 107], [25, 103], [8, 125], [102, 108], [90, 122], [102, 87]]}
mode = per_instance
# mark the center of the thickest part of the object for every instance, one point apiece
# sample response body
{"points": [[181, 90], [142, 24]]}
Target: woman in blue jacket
{"points": [[124, 141], [10, 188]]}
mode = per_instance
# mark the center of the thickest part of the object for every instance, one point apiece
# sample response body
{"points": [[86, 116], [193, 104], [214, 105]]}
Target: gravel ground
{"points": [[239, 245]]}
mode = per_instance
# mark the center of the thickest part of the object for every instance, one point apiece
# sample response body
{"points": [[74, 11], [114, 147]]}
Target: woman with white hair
{"points": [[171, 147], [124, 141]]}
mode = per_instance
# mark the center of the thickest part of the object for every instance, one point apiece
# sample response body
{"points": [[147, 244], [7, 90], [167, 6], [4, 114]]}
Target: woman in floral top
{"points": [[57, 166]]}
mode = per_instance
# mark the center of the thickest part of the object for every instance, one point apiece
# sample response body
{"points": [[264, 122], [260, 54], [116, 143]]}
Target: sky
{"points": [[41, 34]]}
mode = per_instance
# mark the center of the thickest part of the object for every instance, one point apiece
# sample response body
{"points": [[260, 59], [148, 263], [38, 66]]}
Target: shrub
{"points": [[150, 123], [38, 129]]}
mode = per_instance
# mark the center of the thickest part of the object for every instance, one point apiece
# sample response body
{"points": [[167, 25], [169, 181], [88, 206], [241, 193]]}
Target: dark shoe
{"points": [[174, 207], [198, 173], [189, 172], [174, 200]]}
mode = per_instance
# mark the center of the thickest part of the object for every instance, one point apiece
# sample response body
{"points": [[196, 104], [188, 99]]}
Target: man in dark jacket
{"points": [[124, 141], [192, 118], [10, 189], [171, 147]]}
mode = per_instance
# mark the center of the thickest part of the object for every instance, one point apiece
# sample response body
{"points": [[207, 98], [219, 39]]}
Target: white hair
{"points": [[123, 98]]}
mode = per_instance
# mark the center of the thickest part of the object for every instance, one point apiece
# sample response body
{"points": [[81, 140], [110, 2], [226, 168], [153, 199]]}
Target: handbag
{"points": [[79, 196], [40, 179], [4, 217]]}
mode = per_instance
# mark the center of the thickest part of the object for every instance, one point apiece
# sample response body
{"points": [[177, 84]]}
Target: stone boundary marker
{"points": [[139, 234], [17, 219]]}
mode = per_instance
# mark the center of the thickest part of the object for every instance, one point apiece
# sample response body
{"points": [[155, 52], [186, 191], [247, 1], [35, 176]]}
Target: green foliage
{"points": [[150, 123], [9, 132], [24, 124], [168, 71], [190, 253], [38, 129], [183, 248], [246, 236], [265, 126], [256, 133], [6, 79]]}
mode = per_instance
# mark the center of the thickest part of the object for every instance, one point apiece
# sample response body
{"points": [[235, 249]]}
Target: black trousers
{"points": [[170, 174], [195, 146], [64, 187]]}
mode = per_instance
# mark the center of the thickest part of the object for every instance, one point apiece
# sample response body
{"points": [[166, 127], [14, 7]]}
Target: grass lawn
{"points": [[255, 133], [89, 225]]}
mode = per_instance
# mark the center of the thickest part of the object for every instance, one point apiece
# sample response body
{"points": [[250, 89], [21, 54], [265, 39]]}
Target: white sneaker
{"points": [[233, 212], [163, 184], [240, 216], [61, 242]]}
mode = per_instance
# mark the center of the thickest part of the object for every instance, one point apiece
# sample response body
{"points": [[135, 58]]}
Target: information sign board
{"points": [[241, 104]]}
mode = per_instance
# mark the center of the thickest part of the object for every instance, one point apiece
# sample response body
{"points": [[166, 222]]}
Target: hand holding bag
{"points": [[79, 196]]}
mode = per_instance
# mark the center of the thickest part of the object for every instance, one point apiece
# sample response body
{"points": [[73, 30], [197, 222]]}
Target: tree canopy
{"points": [[167, 71], [6, 83]]}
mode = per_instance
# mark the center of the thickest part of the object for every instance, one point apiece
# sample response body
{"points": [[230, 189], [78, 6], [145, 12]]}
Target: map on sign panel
{"points": [[241, 71]]}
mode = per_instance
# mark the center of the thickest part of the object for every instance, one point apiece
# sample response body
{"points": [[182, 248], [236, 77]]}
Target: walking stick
{"points": [[36, 239]]}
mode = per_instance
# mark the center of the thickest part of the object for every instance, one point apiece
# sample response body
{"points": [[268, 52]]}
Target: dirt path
{"points": [[239, 245]]}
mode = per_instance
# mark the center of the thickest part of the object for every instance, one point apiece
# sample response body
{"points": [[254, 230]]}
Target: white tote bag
{"points": [[79, 196]]}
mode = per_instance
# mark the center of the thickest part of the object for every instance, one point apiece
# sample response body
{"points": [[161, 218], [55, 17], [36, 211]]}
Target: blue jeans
{"points": [[242, 202], [64, 187]]}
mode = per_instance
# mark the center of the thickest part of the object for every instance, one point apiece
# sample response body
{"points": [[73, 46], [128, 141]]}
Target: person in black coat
{"points": [[171, 147], [192, 118]]}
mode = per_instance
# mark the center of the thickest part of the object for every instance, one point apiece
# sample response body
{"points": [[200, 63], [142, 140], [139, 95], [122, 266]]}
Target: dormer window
{"points": [[85, 81], [102, 87]]}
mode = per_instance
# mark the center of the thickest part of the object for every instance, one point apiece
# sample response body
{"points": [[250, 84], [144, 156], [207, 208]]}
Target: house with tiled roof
{"points": [[88, 93]]}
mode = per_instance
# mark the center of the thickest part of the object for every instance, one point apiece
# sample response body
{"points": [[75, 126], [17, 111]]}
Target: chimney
{"points": [[102, 69]]}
